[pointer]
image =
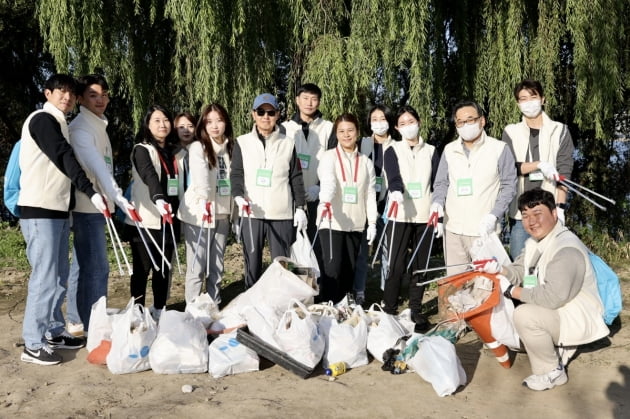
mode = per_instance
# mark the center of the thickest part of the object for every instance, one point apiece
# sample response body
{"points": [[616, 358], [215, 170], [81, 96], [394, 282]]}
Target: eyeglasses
{"points": [[469, 121], [262, 112]]}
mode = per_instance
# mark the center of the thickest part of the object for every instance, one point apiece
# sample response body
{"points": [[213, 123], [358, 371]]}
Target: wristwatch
{"points": [[508, 291], [561, 205]]}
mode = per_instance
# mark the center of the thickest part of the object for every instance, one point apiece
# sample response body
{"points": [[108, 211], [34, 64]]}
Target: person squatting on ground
{"points": [[410, 165], [89, 271], [208, 196], [347, 199], [266, 180], [49, 171], [379, 120], [554, 279], [474, 185], [543, 149], [156, 191]]}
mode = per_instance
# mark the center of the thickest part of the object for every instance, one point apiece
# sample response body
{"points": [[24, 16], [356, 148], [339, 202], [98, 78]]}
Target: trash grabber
{"points": [[415, 251], [577, 191], [163, 239], [471, 265], [157, 247], [169, 221], [248, 209], [204, 219], [393, 213], [208, 250], [564, 179], [433, 221], [330, 231], [317, 231], [108, 217], [135, 217], [380, 241], [120, 246]]}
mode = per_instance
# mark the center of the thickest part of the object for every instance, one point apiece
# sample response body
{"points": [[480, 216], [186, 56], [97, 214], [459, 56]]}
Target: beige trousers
{"points": [[457, 251], [539, 329]]}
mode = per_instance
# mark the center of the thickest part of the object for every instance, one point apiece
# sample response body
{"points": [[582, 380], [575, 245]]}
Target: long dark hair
{"points": [[202, 135], [145, 133]]}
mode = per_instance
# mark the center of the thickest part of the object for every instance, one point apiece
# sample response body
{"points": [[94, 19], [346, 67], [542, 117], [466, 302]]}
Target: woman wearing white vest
{"points": [[543, 150], [379, 120], [266, 181], [347, 199], [208, 196], [410, 165], [89, 271], [155, 192]]}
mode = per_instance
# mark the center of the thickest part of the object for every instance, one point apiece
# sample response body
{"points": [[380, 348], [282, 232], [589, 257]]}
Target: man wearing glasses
{"points": [[474, 185], [266, 180]]}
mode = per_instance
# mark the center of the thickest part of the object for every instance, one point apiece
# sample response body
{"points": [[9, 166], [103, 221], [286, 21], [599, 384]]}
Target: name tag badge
{"points": [[263, 178], [224, 187], [379, 184], [536, 176], [414, 189], [108, 163], [305, 160], [530, 281], [172, 186], [350, 195], [464, 187]]}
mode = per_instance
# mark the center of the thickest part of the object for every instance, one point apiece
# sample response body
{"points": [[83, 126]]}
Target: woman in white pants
{"points": [[207, 205]]}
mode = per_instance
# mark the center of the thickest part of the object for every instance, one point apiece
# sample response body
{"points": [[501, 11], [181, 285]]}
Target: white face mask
{"points": [[470, 132], [409, 132], [379, 127], [531, 108]]}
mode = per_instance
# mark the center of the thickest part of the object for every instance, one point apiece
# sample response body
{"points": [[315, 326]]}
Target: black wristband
{"points": [[562, 205], [508, 291]]}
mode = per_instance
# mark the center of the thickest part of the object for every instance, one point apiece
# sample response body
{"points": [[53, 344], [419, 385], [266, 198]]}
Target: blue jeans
{"points": [[89, 271], [47, 242], [518, 236]]}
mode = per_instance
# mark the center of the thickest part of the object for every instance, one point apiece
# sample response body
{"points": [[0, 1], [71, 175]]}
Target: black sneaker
{"points": [[41, 356], [66, 341], [421, 322]]}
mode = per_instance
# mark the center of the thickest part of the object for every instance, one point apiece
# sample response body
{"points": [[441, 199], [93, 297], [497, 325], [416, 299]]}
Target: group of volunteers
{"points": [[305, 175]]}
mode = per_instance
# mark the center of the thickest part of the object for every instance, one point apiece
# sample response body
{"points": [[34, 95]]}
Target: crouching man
{"points": [[554, 279]]}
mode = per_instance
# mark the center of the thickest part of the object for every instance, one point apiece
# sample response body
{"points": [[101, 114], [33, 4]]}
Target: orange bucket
{"points": [[478, 318]]}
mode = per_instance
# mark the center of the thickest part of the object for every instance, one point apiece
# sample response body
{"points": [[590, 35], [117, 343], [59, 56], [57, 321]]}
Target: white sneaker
{"points": [[155, 313], [75, 329], [557, 377]]}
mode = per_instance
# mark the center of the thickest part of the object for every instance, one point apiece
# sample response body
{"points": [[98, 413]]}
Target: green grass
{"points": [[12, 248]]}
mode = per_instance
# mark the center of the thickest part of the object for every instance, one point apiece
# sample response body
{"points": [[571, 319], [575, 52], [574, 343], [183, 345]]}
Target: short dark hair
{"points": [[532, 86], [346, 117], [145, 132], [464, 104], [86, 81], [534, 197], [388, 116], [309, 88], [406, 109], [61, 82]]}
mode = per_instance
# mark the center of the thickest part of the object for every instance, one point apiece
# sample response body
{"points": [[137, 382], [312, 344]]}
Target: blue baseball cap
{"points": [[265, 98]]}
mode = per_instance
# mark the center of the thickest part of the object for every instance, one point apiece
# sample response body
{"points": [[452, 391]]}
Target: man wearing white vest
{"points": [[543, 150], [474, 185], [49, 172], [267, 185], [554, 279]]}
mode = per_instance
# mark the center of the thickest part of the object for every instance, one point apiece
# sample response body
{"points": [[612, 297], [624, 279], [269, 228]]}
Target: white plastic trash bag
{"points": [[228, 356], [383, 333], [133, 333], [299, 336], [347, 341], [203, 308], [502, 323], [302, 254], [404, 318], [488, 248], [181, 345], [100, 328], [262, 322], [436, 362]]}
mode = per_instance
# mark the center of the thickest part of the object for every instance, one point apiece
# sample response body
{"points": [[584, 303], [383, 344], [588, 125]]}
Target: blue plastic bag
{"points": [[12, 181], [608, 288]]}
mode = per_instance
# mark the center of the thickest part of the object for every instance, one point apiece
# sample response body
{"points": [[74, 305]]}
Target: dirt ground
{"points": [[598, 387]]}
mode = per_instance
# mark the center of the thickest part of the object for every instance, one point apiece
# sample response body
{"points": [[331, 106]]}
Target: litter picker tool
{"points": [[575, 187], [380, 241], [433, 221], [247, 209], [326, 213], [415, 251], [135, 217], [115, 239], [205, 219], [470, 265], [168, 219], [393, 213]]}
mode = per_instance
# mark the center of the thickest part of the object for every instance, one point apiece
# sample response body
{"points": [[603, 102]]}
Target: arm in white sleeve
{"points": [[327, 178], [371, 209], [199, 172]]}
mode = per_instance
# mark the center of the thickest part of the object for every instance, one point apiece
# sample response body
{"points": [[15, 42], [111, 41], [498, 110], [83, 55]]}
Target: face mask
{"points": [[409, 132], [469, 132], [380, 127], [531, 108]]}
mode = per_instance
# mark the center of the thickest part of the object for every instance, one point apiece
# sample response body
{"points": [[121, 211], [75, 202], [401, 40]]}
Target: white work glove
{"points": [[312, 193], [125, 205], [396, 197], [436, 213], [549, 171], [99, 203], [299, 219], [370, 233], [560, 214], [491, 266], [487, 225], [240, 203], [163, 207]]}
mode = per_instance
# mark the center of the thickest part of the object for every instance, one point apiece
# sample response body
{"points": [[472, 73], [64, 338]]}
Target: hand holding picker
{"points": [[167, 218]]}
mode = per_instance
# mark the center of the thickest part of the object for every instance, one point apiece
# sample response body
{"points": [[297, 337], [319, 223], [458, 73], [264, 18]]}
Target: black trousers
{"points": [[279, 233], [405, 240], [338, 270], [142, 265]]}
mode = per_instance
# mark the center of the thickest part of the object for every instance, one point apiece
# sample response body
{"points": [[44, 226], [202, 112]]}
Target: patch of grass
{"points": [[12, 248]]}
